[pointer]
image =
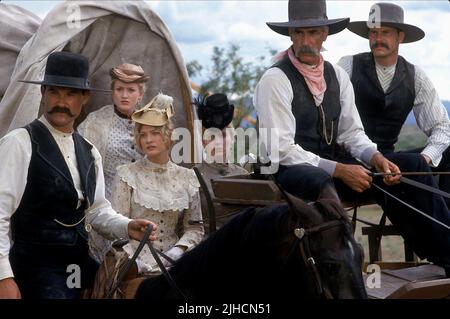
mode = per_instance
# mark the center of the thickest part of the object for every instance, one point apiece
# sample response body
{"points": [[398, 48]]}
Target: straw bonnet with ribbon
{"points": [[129, 73], [157, 112], [388, 15], [308, 14], [68, 70], [214, 110]]}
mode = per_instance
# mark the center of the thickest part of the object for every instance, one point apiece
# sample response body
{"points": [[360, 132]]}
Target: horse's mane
{"points": [[253, 225], [220, 254], [251, 229]]}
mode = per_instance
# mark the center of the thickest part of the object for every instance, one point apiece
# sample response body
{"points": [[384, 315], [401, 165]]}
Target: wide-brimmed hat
{"points": [[156, 113], [308, 14], [129, 73], [388, 15], [214, 110], [66, 69]]}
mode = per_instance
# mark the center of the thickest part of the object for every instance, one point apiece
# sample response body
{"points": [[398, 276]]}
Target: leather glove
{"points": [[175, 253]]}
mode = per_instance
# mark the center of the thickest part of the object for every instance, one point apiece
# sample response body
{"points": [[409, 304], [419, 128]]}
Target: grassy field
{"points": [[391, 246]]}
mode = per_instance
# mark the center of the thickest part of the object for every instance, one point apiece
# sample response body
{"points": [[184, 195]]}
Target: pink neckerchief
{"points": [[313, 75]]}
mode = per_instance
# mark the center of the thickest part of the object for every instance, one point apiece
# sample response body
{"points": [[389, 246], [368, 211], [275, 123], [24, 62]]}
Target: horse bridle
{"points": [[302, 241]]}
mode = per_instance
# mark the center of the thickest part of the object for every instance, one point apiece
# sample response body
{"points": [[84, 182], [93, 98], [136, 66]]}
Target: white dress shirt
{"points": [[15, 152], [273, 102], [431, 115]]}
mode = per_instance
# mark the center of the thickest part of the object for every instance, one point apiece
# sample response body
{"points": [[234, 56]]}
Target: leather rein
{"points": [[154, 253], [418, 185]]}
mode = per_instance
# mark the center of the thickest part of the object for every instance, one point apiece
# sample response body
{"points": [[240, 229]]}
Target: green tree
{"points": [[411, 137], [231, 75]]}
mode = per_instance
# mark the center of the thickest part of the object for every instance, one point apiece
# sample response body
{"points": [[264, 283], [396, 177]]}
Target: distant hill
{"points": [[410, 120]]}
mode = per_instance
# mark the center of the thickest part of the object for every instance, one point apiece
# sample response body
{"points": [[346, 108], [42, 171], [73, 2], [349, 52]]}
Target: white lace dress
{"points": [[165, 194]]}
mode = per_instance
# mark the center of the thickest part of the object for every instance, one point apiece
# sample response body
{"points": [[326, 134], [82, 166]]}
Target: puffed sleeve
{"points": [[121, 196]]}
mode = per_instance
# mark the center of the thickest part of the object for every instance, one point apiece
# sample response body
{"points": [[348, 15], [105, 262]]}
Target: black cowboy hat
{"points": [[389, 15], [66, 69], [308, 14], [214, 110]]}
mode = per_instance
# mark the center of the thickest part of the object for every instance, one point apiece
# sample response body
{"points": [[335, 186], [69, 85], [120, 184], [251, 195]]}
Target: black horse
{"points": [[281, 251]]}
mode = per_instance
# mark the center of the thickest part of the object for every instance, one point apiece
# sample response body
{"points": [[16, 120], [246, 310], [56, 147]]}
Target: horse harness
{"points": [[302, 241]]}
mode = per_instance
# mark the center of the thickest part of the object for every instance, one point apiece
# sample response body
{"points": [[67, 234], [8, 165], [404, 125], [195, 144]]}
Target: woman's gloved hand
{"points": [[175, 253]]}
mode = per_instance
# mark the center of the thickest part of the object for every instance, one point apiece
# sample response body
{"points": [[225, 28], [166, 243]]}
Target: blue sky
{"points": [[198, 26]]}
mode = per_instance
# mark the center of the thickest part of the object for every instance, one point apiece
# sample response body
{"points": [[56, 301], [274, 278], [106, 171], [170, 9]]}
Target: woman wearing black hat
{"points": [[216, 115]]}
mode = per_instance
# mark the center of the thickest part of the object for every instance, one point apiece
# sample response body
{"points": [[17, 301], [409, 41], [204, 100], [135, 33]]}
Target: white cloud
{"points": [[198, 26], [244, 23]]}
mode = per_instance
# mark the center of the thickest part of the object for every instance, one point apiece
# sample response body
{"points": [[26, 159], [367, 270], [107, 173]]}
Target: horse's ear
{"points": [[331, 207], [299, 208], [302, 210]]}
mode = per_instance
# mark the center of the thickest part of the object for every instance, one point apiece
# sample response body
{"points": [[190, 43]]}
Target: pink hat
{"points": [[129, 73]]}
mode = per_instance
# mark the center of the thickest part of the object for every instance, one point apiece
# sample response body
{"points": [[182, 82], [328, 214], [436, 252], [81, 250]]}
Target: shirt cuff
{"points": [[367, 154], [116, 230], [434, 154], [327, 165], [122, 230], [190, 238], [5, 268]]}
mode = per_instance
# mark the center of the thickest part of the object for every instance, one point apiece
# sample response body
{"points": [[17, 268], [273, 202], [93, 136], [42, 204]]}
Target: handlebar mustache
{"points": [[379, 44], [307, 50], [58, 109]]}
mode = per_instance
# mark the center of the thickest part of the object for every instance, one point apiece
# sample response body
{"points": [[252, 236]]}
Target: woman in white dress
{"points": [[111, 130], [156, 188]]}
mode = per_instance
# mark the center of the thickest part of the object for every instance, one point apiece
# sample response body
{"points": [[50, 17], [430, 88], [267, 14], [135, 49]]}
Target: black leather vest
{"points": [[50, 193], [310, 133], [383, 114]]}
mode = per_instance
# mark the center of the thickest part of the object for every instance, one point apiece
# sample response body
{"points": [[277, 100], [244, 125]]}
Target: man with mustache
{"points": [[309, 104], [52, 194], [387, 88]]}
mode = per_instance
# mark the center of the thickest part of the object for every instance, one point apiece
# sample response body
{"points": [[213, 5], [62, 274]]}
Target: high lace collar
{"points": [[160, 187], [155, 167]]}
